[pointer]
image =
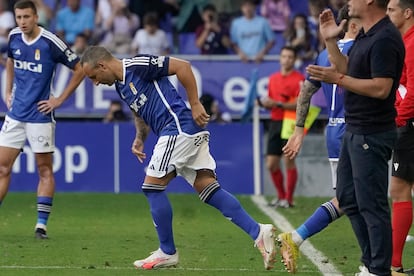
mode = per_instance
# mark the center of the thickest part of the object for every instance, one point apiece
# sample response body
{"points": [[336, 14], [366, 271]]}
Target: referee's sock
{"points": [[230, 207]]}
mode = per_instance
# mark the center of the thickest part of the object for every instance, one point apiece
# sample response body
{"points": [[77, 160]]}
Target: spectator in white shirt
{"points": [[151, 39]]}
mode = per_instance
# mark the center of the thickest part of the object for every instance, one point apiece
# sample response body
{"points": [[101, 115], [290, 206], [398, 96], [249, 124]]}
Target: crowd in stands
{"points": [[250, 29]]}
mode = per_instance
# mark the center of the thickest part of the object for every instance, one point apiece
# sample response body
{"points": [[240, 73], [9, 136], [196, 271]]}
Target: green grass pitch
{"points": [[102, 234]]}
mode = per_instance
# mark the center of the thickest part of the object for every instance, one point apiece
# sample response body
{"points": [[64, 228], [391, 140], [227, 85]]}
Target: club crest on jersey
{"points": [[133, 89], [37, 54]]}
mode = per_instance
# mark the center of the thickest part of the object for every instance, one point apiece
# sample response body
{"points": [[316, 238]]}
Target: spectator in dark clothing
{"points": [[211, 37]]}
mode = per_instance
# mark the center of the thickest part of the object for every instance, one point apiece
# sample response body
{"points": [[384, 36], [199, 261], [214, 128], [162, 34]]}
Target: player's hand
{"points": [[200, 115], [137, 149], [321, 73], [292, 147], [327, 25], [47, 106]]}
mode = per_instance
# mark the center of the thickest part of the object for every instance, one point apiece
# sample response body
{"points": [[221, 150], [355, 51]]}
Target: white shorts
{"points": [[184, 154], [334, 166], [41, 136]]}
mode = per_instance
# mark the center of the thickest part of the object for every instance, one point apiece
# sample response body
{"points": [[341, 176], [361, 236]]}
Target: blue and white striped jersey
{"points": [[34, 65], [334, 96], [148, 92]]}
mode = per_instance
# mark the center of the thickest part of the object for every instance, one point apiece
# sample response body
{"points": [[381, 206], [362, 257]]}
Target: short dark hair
{"points": [[407, 4], [25, 4], [251, 2], [289, 48], [209, 7], [151, 19], [343, 13]]}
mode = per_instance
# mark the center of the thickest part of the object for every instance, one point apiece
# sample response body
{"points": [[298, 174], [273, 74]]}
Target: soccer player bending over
{"points": [[182, 147]]}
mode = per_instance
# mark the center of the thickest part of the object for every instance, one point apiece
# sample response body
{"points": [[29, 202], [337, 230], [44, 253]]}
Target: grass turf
{"points": [[102, 234]]}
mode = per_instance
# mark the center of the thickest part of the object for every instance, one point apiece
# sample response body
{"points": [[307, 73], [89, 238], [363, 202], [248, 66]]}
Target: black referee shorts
{"points": [[274, 141], [403, 156]]}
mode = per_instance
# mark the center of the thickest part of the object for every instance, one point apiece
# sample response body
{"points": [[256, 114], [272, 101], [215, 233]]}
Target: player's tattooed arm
{"points": [[142, 128], [303, 103]]}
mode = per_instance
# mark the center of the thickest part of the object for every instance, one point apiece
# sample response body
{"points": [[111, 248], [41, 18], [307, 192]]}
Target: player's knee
{"points": [[152, 188], [209, 191]]}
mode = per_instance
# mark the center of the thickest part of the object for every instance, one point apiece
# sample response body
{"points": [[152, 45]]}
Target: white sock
{"points": [[297, 238]]}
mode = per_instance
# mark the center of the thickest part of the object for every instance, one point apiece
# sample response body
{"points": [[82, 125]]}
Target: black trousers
{"points": [[362, 191]]}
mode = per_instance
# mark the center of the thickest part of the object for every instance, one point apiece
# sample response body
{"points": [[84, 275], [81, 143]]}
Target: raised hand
{"points": [[328, 27]]}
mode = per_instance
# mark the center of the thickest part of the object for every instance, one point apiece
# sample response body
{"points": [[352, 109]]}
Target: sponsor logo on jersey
{"points": [[138, 103], [70, 55], [133, 89], [29, 66], [37, 54], [158, 61], [17, 52], [336, 121]]}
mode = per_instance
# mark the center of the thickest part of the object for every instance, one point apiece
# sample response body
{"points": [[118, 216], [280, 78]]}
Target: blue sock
{"points": [[230, 207], [44, 206], [162, 215], [325, 214]]}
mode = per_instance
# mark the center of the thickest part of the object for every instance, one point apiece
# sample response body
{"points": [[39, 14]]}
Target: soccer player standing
{"points": [[33, 54], [182, 147], [401, 13], [370, 76]]}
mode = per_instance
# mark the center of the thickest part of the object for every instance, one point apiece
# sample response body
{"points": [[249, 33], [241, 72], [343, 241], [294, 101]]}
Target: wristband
{"points": [[340, 78]]}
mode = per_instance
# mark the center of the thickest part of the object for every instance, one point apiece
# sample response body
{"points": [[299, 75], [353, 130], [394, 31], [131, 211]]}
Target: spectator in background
{"points": [[336, 5], [211, 37], [284, 87], [150, 39], [120, 28], [164, 9], [80, 45], [227, 10], [189, 15], [277, 12], [102, 15], [73, 20], [251, 34], [211, 105], [6, 24], [115, 113], [299, 36], [315, 9], [44, 12]]}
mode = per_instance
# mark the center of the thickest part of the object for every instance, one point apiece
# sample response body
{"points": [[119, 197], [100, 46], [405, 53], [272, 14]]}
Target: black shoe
{"points": [[41, 234], [409, 271]]}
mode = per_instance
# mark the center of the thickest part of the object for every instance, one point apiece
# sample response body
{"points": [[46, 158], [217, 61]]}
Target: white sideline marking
{"points": [[307, 249]]}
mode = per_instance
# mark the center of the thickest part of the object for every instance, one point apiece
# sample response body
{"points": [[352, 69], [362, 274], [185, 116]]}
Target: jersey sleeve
{"points": [[149, 67], [61, 53]]}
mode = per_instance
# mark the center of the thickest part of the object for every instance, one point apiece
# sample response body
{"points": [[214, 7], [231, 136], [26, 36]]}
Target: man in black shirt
{"points": [[370, 77]]}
